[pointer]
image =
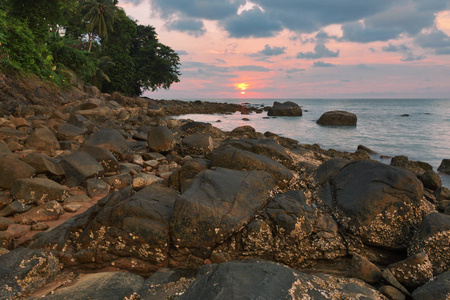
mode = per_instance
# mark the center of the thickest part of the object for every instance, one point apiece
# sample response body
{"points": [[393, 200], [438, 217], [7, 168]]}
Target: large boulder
{"points": [[34, 190], [43, 164], [197, 144], [417, 167], [160, 139], [103, 156], [288, 108], [113, 141], [217, 205], [24, 270], [12, 169], [237, 159], [43, 139], [432, 237], [436, 289], [80, 166], [337, 118], [379, 203], [125, 230], [104, 285], [267, 280], [201, 127]]}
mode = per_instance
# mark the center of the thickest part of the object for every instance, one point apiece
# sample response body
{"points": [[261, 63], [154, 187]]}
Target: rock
{"points": [[200, 127], [246, 132], [12, 169], [14, 208], [368, 150], [328, 169], [67, 132], [124, 230], [266, 147], [51, 210], [119, 181], [43, 164], [143, 179], [103, 156], [164, 284], [182, 178], [24, 270], [38, 190], [4, 150], [379, 203], [444, 167], [39, 227], [430, 180], [390, 278], [80, 166], [436, 289], [392, 293], [337, 118], [442, 193], [160, 139], [72, 208], [237, 159], [218, 204], [198, 144], [287, 108], [4, 223], [18, 230], [417, 167], [260, 279], [103, 285], [363, 269], [432, 237], [97, 188], [414, 271], [5, 239], [43, 139], [80, 121], [113, 141]]}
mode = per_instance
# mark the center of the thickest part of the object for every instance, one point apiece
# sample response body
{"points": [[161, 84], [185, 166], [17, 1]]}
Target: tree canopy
{"points": [[52, 38]]}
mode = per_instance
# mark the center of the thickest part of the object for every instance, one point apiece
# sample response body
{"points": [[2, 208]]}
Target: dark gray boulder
{"points": [[201, 127], [103, 285], [413, 271], [34, 190], [197, 144], [80, 166], [43, 139], [436, 289], [432, 237], [337, 118], [218, 204], [12, 169], [67, 132], [287, 109], [103, 156], [379, 203], [182, 178], [160, 139], [24, 270], [43, 164], [444, 167], [237, 159], [258, 279], [417, 167], [112, 140], [430, 180]]}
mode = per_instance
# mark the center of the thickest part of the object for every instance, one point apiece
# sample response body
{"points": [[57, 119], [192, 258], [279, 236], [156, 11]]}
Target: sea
{"points": [[417, 128]]}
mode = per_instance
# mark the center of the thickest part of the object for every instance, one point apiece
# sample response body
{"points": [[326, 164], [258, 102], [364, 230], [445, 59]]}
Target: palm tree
{"points": [[100, 17]]}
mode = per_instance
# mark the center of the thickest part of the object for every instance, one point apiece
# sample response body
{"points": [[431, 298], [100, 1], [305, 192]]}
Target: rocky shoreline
{"points": [[106, 197]]}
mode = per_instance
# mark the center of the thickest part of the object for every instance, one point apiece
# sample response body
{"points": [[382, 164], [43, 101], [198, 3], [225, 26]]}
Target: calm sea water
{"points": [[424, 135]]}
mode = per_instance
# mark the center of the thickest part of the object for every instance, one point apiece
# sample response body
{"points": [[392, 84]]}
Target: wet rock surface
{"points": [[105, 197], [337, 118]]}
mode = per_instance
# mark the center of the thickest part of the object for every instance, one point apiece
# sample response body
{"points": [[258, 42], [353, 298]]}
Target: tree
{"points": [[101, 16], [156, 64]]}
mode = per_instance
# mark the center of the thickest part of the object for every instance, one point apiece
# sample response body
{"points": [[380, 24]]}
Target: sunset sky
{"points": [[303, 48]]}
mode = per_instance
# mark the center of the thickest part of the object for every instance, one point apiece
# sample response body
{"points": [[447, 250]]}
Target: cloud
{"points": [[294, 70], [409, 56], [181, 52], [251, 23], [320, 51], [199, 9], [435, 39], [192, 27], [393, 48], [252, 68], [221, 61], [272, 51], [321, 64]]}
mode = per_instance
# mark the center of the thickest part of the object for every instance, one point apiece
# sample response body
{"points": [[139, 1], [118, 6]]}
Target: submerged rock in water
{"points": [[288, 108]]}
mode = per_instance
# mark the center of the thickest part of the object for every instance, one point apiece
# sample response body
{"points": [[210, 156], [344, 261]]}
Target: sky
{"points": [[303, 48]]}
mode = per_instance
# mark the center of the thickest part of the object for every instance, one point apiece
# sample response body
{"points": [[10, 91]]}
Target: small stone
{"points": [[18, 230], [72, 208], [142, 180], [4, 223], [5, 239], [39, 227], [119, 181], [363, 269], [391, 292], [414, 271], [444, 167], [152, 163], [14, 207], [78, 198], [97, 188], [390, 278], [46, 212]]}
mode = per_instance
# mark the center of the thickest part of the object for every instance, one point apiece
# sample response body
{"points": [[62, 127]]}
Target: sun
{"points": [[242, 87]]}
